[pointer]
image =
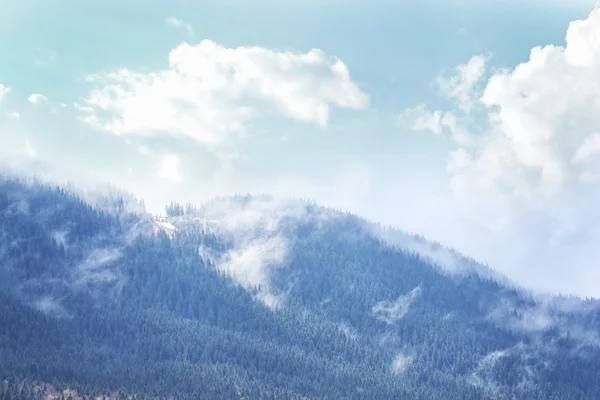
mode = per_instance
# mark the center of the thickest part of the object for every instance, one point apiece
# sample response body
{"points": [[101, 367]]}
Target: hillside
{"points": [[255, 297]]}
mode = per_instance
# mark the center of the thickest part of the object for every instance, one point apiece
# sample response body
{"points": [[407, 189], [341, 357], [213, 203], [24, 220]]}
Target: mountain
{"points": [[255, 297]]}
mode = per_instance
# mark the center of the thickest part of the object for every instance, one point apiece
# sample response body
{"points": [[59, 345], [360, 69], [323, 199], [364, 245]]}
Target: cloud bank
{"points": [[525, 166]]}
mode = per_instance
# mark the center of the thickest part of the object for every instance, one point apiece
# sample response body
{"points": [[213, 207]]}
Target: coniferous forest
{"points": [[256, 298]]}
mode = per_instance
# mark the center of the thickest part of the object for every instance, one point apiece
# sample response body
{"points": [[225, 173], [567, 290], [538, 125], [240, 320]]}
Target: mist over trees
{"points": [[102, 300]]}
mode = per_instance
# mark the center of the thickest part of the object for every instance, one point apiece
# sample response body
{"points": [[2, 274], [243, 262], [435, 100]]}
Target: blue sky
{"points": [[357, 156]]}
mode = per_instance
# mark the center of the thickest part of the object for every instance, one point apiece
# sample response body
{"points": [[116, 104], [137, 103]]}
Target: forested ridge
{"points": [[251, 298]]}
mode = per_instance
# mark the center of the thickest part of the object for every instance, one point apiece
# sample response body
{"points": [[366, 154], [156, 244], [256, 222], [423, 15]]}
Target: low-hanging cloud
{"points": [[96, 192], [564, 316], [91, 265], [50, 306], [250, 263], [449, 260], [483, 375], [99, 266], [259, 236], [392, 311], [401, 363], [60, 237], [528, 362], [348, 331]]}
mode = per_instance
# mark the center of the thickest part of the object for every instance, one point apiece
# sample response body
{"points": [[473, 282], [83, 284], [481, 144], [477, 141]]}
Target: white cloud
{"points": [[588, 149], [349, 332], [3, 91], [50, 306], [530, 157], [482, 376], [83, 109], [420, 118], [30, 149], [460, 86], [97, 267], [169, 168], [257, 233], [209, 92], [392, 311], [144, 150], [37, 98], [251, 263], [180, 24], [401, 363], [543, 118]]}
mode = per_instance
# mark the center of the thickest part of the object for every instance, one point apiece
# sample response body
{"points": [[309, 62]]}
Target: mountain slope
{"points": [[253, 297]]}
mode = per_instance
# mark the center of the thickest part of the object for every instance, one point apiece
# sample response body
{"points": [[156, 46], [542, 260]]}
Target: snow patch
{"points": [[162, 224]]}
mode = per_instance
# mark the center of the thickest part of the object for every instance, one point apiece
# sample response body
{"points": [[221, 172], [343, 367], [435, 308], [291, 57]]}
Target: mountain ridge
{"points": [[278, 300]]}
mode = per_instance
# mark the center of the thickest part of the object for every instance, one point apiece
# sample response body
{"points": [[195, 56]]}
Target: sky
{"points": [[472, 123]]}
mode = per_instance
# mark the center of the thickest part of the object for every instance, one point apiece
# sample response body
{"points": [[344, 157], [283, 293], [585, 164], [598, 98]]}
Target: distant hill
{"points": [[256, 297]]}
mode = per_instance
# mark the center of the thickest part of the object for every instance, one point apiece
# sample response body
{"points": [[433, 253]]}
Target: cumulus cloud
{"points": [[209, 92], [527, 155], [37, 98], [180, 24], [542, 116]]}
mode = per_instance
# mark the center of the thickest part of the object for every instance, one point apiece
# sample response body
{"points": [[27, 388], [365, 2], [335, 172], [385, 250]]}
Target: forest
{"points": [[257, 298]]}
